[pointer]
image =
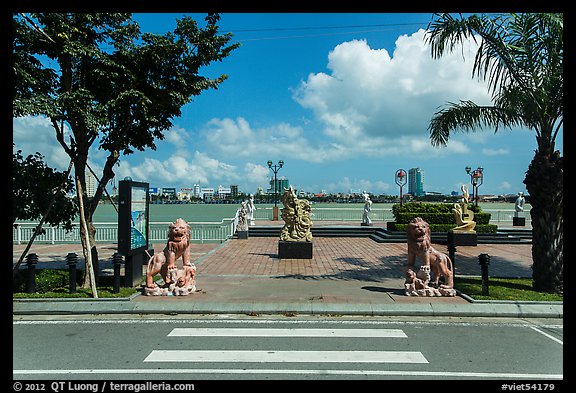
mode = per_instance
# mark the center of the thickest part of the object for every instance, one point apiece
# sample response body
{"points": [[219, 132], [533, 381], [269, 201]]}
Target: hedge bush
{"points": [[489, 228], [439, 216], [47, 280]]}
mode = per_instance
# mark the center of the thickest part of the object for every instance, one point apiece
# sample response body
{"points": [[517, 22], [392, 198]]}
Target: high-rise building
{"points": [[281, 184], [90, 184], [416, 181]]}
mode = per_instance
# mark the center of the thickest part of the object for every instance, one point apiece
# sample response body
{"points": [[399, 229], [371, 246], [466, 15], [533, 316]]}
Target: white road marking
{"points": [[547, 335], [272, 321], [296, 332], [200, 371], [286, 356]]}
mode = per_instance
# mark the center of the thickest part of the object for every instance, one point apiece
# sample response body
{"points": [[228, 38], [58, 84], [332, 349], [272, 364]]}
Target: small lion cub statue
{"points": [[178, 281], [432, 261]]}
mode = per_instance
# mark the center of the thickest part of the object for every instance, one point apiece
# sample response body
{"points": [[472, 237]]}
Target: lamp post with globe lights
{"points": [[476, 179], [275, 168]]}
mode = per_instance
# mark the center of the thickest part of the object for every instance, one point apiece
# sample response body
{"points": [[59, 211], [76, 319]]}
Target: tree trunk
{"points": [[87, 233], [544, 182]]}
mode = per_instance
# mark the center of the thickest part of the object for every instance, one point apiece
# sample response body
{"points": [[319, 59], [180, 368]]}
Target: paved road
{"points": [[280, 348]]}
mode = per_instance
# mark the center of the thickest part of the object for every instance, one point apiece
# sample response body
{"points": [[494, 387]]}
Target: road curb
{"points": [[127, 306]]}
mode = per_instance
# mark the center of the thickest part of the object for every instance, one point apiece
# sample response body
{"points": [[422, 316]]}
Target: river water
{"points": [[217, 212]]}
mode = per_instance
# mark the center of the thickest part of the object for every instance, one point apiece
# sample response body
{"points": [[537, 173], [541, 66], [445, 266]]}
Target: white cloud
{"points": [[238, 139], [346, 184], [372, 101], [36, 134], [495, 152]]}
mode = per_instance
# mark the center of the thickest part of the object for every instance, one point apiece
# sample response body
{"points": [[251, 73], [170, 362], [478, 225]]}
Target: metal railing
{"points": [[333, 214], [202, 232]]}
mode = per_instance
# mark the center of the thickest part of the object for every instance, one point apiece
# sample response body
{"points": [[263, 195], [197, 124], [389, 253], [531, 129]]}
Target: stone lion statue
{"points": [[178, 246], [432, 261]]}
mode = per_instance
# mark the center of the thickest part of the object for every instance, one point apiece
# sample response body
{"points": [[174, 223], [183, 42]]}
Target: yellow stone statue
{"points": [[464, 217], [296, 216]]}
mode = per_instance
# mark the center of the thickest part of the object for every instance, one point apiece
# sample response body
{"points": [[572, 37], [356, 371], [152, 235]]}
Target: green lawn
{"points": [[103, 292], [54, 283], [503, 289]]}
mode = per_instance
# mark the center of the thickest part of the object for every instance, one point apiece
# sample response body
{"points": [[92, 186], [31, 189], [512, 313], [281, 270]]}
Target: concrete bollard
{"points": [[484, 261], [117, 261], [71, 261], [31, 262]]}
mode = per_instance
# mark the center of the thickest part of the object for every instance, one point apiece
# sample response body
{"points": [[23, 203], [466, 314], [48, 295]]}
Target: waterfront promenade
{"points": [[346, 276]]}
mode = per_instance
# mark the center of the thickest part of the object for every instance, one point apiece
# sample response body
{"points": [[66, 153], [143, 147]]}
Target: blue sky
{"points": [[344, 99]]}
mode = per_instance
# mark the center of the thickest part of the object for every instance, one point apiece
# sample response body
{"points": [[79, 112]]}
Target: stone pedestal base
{"points": [[294, 250], [519, 221], [457, 238], [242, 234]]}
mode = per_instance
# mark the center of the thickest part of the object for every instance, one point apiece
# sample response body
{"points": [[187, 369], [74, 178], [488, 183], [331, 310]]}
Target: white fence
{"points": [[210, 232], [201, 232]]}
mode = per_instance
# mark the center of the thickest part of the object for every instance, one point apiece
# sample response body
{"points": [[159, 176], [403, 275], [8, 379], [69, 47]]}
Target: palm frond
{"points": [[467, 116]]}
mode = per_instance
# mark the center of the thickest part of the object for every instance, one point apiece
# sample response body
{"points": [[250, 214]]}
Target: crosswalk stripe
{"points": [[294, 332], [286, 356]]}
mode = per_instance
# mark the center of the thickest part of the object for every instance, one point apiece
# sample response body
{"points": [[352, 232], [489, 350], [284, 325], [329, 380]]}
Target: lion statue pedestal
{"points": [[433, 262]]}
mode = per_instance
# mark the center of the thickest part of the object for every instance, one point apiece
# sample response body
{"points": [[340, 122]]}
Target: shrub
{"points": [[47, 280], [439, 216]]}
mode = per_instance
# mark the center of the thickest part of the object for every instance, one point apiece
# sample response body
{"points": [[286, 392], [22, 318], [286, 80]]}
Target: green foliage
{"points": [[54, 283], [435, 213], [519, 289], [47, 280], [99, 76], [487, 228], [33, 186], [438, 215]]}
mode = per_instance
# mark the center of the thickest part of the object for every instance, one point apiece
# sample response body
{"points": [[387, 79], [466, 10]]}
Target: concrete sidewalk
{"points": [[346, 276]]}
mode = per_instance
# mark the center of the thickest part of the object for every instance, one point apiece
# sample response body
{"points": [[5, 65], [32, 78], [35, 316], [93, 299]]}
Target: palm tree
{"points": [[521, 57]]}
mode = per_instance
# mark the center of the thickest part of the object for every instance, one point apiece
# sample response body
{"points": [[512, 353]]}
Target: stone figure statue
{"points": [[296, 216], [242, 224], [464, 217], [519, 206], [367, 209], [251, 207]]}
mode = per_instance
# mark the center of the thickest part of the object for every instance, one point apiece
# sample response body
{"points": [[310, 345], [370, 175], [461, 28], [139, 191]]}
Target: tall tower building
{"points": [[90, 184], [416, 181]]}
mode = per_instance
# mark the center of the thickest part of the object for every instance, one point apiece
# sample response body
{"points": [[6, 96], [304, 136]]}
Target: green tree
{"points": [[35, 185], [99, 80], [521, 57]]}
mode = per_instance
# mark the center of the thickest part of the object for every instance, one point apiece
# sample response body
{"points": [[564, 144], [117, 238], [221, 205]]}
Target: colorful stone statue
{"points": [[464, 217], [296, 216]]}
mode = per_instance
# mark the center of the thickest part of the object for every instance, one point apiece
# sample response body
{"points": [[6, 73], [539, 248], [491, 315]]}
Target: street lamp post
{"points": [[476, 179], [275, 168], [401, 181]]}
